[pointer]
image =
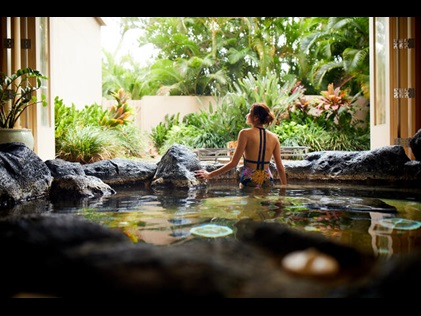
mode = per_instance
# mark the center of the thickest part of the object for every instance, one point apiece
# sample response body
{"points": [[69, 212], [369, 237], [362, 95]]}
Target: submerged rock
{"points": [[351, 204]]}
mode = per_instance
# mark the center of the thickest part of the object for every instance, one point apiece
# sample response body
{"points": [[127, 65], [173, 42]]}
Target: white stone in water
{"points": [[310, 262]]}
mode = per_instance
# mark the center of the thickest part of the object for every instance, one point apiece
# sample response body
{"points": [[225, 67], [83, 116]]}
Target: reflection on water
{"points": [[384, 221]]}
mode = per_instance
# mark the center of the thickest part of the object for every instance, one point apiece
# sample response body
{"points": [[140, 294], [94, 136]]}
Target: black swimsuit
{"points": [[262, 148], [258, 177]]}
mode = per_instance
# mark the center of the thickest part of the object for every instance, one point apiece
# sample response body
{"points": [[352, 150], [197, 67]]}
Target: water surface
{"points": [[384, 221]]}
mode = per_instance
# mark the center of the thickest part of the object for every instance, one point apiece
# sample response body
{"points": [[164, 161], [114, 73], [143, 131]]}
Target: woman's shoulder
{"points": [[245, 133], [246, 130], [271, 133]]}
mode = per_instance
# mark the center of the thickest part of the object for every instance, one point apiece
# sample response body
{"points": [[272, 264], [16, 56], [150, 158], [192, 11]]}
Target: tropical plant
{"points": [[277, 93], [125, 73], [160, 131], [202, 55], [122, 113], [335, 108], [17, 93], [299, 109], [86, 144], [80, 137], [339, 48], [325, 122]]}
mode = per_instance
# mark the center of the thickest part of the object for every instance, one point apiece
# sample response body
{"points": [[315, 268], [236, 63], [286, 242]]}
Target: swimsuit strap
{"points": [[262, 148]]}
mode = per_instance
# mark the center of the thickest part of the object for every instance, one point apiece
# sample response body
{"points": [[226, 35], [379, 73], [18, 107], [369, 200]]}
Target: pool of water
{"points": [[384, 221]]}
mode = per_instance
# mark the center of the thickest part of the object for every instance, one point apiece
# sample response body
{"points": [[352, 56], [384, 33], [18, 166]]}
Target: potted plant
{"points": [[17, 93]]}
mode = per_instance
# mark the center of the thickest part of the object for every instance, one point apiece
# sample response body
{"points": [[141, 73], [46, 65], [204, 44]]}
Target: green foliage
{"points": [[325, 123], [132, 141], [202, 55], [267, 89], [91, 115], [86, 144], [242, 60], [202, 129], [66, 116], [339, 47], [179, 134], [318, 139], [217, 127], [17, 93], [125, 73], [290, 133], [159, 133], [81, 138]]}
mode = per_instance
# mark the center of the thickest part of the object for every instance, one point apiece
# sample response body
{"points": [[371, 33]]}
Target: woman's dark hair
{"points": [[263, 112]]}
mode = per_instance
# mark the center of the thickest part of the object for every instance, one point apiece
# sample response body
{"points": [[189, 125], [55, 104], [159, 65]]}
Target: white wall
{"points": [[76, 63]]}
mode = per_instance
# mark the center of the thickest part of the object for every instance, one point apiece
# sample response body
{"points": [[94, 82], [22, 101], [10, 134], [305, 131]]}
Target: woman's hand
{"points": [[201, 174], [283, 189]]}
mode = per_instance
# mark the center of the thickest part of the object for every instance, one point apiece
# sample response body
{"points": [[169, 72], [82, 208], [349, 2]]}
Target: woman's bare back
{"points": [[253, 142]]}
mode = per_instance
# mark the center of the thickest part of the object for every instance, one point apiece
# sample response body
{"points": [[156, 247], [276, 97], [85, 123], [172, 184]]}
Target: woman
{"points": [[257, 146]]}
